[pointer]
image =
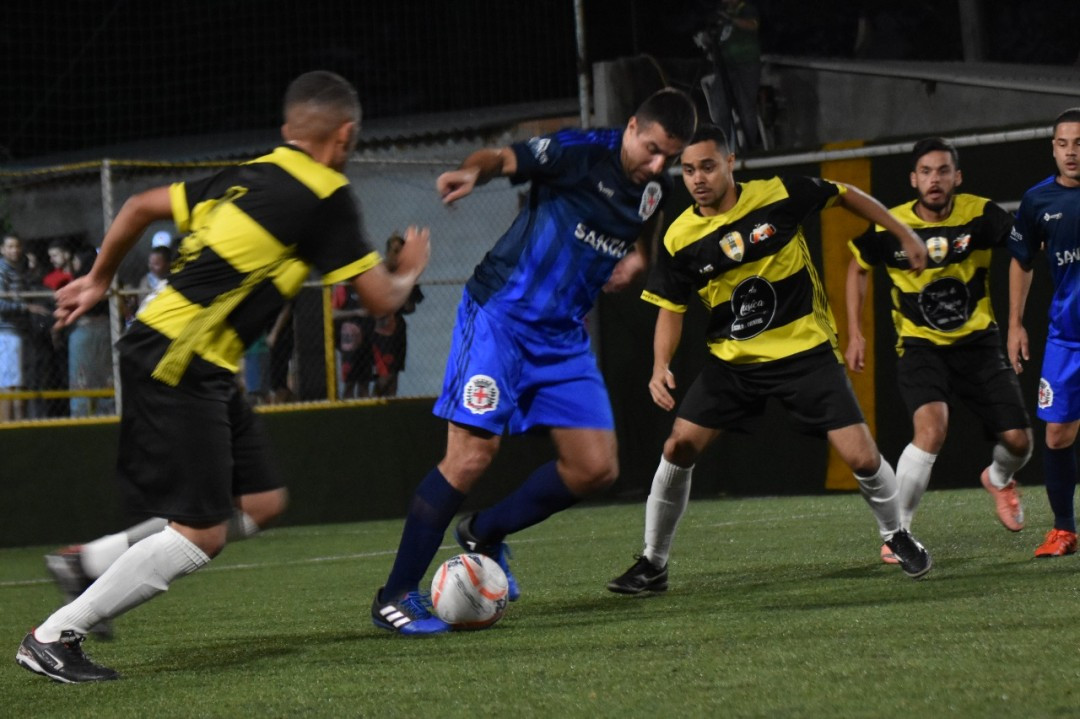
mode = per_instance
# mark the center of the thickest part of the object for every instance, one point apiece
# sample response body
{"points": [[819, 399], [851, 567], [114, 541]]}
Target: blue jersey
{"points": [[1049, 218], [582, 215]]}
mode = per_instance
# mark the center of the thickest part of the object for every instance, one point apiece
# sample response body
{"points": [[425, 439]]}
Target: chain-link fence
{"points": [[324, 347]]}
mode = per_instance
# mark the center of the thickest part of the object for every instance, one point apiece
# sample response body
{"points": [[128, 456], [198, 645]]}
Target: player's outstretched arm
{"points": [[665, 342], [383, 292], [1017, 342], [855, 298], [477, 169], [78, 296], [868, 208]]}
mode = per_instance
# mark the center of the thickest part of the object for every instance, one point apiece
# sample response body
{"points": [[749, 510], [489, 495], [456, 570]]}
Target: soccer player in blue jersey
{"points": [[520, 356], [1049, 218]]}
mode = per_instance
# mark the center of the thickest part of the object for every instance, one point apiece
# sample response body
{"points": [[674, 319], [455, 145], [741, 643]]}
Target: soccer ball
{"points": [[469, 591]]}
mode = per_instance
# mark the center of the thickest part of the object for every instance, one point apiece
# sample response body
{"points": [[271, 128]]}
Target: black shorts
{"points": [[976, 374], [185, 456], [813, 388]]}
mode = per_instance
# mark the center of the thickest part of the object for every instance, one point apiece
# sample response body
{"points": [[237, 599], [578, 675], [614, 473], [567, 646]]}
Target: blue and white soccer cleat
{"points": [[499, 552], [409, 615]]}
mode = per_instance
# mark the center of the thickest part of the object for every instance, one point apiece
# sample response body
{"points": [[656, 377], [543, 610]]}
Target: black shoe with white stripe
{"points": [[642, 577], [407, 615], [912, 556], [62, 660]]}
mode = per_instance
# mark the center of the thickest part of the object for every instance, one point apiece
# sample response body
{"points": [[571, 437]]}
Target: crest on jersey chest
{"points": [[650, 200], [937, 248], [733, 246]]}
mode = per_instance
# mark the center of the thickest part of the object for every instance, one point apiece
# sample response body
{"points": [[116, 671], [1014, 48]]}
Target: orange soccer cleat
{"points": [[1006, 501], [1058, 543]]}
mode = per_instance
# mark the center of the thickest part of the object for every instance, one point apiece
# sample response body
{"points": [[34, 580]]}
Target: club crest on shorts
{"points": [[1046, 394], [650, 200], [481, 394], [937, 248], [733, 246]]}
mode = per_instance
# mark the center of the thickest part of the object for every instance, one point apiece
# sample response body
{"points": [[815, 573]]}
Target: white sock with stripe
{"points": [[141, 573]]}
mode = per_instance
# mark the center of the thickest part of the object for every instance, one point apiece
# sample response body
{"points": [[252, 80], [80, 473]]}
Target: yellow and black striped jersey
{"points": [[254, 232], [949, 302], [752, 269]]}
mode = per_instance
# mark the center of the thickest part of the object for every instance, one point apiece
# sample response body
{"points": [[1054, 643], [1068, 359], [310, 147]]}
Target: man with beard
{"points": [[948, 342]]}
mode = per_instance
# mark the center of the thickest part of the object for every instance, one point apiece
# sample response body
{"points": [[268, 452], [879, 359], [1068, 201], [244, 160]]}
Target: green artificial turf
{"points": [[778, 607]]}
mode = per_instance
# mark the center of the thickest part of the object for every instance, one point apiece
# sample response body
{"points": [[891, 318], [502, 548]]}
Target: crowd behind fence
{"points": [[322, 348]]}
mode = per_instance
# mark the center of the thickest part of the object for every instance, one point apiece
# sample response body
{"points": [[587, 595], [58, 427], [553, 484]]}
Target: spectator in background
{"points": [[388, 342], [90, 351], [354, 330], [157, 271], [62, 260], [730, 42], [15, 325], [281, 340]]}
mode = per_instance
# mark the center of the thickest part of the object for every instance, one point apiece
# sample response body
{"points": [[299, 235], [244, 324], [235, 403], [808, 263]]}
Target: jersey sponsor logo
{"points": [[762, 233], [605, 190], [733, 246], [481, 394], [602, 243], [754, 304], [1067, 257], [650, 200], [899, 256], [539, 147], [1046, 394], [937, 248], [944, 304], [961, 244], [706, 269], [1047, 216], [1015, 235]]}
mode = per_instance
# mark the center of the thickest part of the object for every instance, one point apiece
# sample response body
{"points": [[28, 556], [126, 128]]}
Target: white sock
{"points": [[144, 571], [96, 556], [880, 492], [913, 476], [241, 526], [667, 501], [1005, 465]]}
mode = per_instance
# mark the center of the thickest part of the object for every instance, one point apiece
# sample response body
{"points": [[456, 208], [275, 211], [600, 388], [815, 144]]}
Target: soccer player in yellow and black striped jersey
{"points": [[191, 449], [741, 250], [947, 337]]}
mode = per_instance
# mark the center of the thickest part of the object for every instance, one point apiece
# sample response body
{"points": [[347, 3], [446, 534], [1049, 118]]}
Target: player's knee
{"points": [[680, 451], [592, 477], [1018, 442]]}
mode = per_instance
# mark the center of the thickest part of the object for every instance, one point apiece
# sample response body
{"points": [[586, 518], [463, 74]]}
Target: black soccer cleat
{"points": [[62, 660], [67, 571], [500, 552], [642, 577], [912, 556]]}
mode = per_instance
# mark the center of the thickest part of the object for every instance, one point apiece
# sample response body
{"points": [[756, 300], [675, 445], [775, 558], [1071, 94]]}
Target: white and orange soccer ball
{"points": [[469, 591]]}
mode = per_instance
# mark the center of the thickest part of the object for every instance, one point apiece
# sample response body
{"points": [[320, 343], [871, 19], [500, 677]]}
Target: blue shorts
{"points": [[1059, 386], [501, 377]]}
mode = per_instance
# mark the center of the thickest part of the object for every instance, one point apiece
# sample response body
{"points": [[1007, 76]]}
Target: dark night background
{"points": [[85, 73]]}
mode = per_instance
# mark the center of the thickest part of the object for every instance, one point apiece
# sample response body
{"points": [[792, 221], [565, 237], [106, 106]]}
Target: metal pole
{"points": [[115, 318], [582, 62]]}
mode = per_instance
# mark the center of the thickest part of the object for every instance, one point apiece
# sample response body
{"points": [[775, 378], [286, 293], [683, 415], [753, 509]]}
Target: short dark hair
{"points": [[673, 109], [1070, 115], [707, 132], [934, 144], [161, 250], [327, 89]]}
